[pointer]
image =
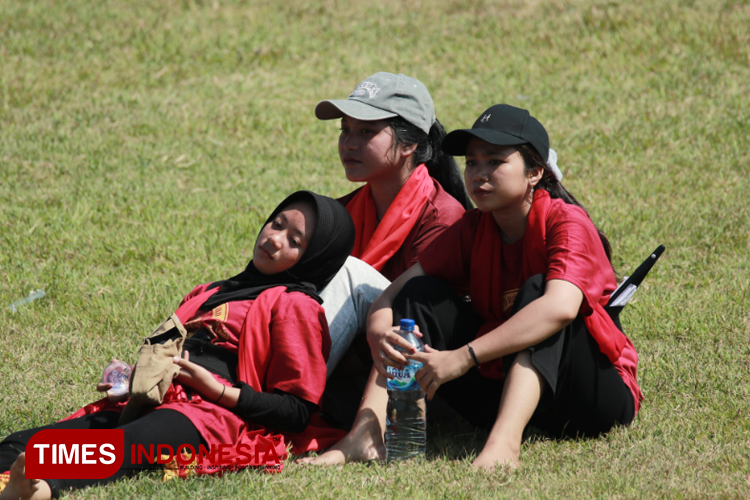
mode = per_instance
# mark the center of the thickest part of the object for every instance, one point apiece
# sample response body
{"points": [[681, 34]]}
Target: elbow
{"points": [[562, 302], [566, 315], [561, 313]]}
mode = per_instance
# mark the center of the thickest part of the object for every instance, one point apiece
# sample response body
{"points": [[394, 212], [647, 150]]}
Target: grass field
{"points": [[142, 144]]}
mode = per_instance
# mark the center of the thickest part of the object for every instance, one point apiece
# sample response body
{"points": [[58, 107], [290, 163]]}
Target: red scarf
{"points": [[375, 242], [487, 296], [317, 434]]}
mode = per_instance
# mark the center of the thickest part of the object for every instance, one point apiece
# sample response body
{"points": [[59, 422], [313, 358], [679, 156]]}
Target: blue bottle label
{"points": [[404, 380]]}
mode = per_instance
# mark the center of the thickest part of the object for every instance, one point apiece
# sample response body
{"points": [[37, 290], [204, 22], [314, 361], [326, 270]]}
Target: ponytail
{"points": [[441, 167], [555, 188]]}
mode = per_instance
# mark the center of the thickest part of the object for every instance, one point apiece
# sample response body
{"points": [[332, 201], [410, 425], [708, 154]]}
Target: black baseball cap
{"points": [[501, 125]]}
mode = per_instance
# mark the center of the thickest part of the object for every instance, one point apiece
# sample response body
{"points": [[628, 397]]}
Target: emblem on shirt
{"points": [[508, 299], [368, 88], [220, 313]]}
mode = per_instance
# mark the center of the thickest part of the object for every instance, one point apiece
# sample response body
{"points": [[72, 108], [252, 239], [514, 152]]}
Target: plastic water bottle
{"points": [[117, 373], [405, 433]]}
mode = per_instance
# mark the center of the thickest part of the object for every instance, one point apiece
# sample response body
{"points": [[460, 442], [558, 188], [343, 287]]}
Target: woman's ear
{"points": [[407, 151], [536, 176]]}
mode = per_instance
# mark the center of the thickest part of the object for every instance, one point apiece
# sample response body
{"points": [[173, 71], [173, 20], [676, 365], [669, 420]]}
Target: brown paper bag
{"points": [[154, 370]]}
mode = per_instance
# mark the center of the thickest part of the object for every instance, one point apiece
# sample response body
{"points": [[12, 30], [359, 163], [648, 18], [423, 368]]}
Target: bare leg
{"points": [[521, 393], [365, 441], [20, 487]]}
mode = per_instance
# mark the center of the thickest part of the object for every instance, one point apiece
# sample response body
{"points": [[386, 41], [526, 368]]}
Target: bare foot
{"points": [[497, 454], [21, 488], [361, 444]]}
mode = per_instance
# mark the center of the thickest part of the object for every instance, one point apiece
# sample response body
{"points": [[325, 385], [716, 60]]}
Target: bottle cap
{"points": [[407, 325]]}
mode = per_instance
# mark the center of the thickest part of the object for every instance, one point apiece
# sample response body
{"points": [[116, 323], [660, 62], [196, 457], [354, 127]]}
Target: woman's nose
{"points": [[275, 240], [480, 175], [348, 143]]}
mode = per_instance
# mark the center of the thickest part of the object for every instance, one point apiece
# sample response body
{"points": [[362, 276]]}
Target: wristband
{"points": [[474, 356], [222, 394]]}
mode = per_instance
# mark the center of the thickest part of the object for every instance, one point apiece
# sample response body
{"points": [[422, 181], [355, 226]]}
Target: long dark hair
{"points": [[442, 167], [549, 183]]}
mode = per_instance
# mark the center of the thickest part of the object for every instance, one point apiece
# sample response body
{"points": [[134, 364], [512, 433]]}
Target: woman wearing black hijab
{"points": [[255, 359]]}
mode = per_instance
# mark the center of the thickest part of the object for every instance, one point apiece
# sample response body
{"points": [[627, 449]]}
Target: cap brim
{"points": [[455, 143], [330, 110]]}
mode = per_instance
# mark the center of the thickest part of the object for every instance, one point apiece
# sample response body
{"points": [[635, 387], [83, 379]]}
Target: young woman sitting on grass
{"points": [[390, 140], [264, 339], [535, 344]]}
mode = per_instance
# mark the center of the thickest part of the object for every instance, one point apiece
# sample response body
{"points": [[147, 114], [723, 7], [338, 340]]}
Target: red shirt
{"points": [[289, 354], [287, 351], [574, 254], [440, 212]]}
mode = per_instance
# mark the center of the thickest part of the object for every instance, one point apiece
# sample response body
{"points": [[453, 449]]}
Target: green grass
{"points": [[142, 144]]}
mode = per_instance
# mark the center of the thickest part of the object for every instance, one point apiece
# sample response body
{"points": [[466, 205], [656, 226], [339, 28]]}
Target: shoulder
{"points": [[466, 225], [561, 213], [296, 306], [195, 291], [471, 218], [441, 211], [344, 200], [442, 207]]}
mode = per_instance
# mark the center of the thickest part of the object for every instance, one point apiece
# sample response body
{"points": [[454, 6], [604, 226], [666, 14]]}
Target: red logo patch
{"points": [[74, 453]]}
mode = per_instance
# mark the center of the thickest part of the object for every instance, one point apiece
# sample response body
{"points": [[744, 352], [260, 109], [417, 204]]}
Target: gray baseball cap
{"points": [[381, 96]]}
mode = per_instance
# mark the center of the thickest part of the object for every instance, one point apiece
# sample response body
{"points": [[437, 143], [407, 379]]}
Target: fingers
{"points": [[422, 357], [380, 367], [119, 397], [396, 339], [103, 387], [417, 332], [392, 357], [431, 389], [186, 373], [427, 382], [382, 361], [183, 361], [427, 348]]}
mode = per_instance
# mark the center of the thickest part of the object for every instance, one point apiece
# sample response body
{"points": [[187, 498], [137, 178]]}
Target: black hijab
{"points": [[331, 244]]}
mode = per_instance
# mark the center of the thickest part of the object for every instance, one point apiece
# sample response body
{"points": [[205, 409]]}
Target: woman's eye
{"points": [[276, 224]]}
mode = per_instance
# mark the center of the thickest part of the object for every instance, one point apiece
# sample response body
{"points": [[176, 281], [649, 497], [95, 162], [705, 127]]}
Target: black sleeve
{"points": [[278, 410]]}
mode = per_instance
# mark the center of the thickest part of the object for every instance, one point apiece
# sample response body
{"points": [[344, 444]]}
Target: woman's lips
{"points": [[480, 192], [265, 252], [350, 161]]}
